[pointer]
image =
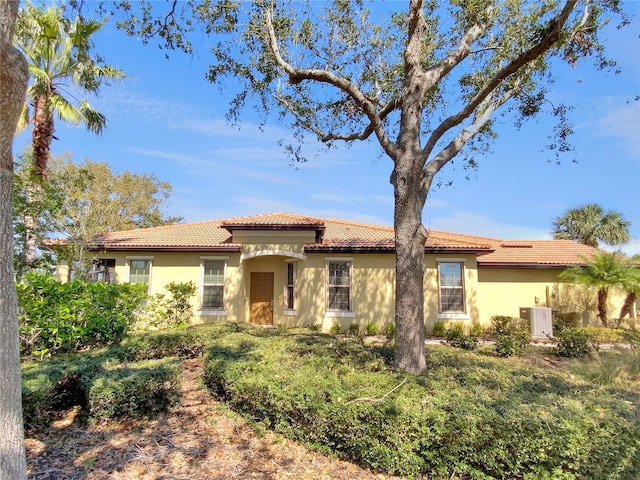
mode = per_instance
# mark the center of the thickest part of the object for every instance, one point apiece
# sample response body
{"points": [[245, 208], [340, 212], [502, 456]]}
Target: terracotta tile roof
{"points": [[189, 236], [271, 220], [535, 253], [342, 236]]}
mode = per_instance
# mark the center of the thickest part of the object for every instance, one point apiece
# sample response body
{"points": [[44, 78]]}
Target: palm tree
{"points": [[603, 270], [631, 285], [590, 225], [61, 67]]}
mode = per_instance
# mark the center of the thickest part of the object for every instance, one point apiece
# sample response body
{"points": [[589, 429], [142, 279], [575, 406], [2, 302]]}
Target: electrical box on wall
{"points": [[540, 321]]}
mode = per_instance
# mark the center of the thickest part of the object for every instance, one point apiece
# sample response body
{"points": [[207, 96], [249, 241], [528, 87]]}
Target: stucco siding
{"points": [[503, 291], [487, 291]]}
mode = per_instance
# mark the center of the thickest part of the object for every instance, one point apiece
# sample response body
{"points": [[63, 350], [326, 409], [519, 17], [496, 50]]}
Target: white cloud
{"points": [[179, 158], [632, 248], [124, 105], [623, 123]]}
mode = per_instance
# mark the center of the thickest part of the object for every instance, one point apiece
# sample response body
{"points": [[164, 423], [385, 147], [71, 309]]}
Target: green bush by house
{"points": [[61, 317]]}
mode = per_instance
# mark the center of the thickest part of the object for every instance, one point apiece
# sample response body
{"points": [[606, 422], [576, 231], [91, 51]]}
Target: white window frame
{"points": [[140, 258], [452, 314], [294, 265], [329, 312], [213, 311]]}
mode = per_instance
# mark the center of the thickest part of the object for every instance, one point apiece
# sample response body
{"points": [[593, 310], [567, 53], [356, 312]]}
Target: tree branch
{"points": [[297, 75], [455, 146], [438, 71], [390, 106], [377, 399], [547, 41]]}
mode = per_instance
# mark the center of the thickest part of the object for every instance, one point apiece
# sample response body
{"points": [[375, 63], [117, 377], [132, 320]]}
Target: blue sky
{"points": [[168, 120]]}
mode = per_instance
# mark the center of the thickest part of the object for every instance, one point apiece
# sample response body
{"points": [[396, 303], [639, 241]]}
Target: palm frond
{"points": [[94, 120], [64, 110]]}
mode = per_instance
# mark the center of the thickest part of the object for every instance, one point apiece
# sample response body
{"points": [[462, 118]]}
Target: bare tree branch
{"points": [[297, 75], [438, 71], [551, 37], [481, 118]]}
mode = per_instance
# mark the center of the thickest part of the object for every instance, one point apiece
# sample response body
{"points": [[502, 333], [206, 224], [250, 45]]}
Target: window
{"points": [[139, 271], [289, 291], [103, 270], [213, 284], [339, 285], [451, 287]]}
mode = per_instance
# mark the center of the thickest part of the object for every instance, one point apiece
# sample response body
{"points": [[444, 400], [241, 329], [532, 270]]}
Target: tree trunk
{"points": [[30, 252], [602, 306], [626, 306], [13, 79], [410, 239], [42, 135]]}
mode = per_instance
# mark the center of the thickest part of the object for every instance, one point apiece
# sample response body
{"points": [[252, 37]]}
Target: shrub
{"points": [[438, 329], [136, 390], [57, 316], [606, 335], [39, 380], [335, 329], [512, 335], [575, 342], [354, 329], [471, 416], [562, 320], [172, 311], [372, 329], [457, 337], [476, 330], [390, 331], [100, 384]]}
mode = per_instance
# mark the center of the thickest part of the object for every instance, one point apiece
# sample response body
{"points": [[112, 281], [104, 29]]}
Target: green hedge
{"points": [[136, 377], [135, 390], [60, 317], [469, 416], [582, 341], [102, 386]]}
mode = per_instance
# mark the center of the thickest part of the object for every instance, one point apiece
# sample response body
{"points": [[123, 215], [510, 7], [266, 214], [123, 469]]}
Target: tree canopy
{"points": [[82, 200], [425, 79], [591, 225]]}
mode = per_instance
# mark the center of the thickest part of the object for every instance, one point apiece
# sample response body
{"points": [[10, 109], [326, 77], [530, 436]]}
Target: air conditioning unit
{"points": [[540, 321]]}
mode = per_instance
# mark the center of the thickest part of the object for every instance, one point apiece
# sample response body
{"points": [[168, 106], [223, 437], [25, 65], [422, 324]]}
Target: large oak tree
{"points": [[425, 79]]}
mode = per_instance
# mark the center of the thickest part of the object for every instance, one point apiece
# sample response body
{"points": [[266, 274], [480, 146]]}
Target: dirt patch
{"points": [[197, 440]]}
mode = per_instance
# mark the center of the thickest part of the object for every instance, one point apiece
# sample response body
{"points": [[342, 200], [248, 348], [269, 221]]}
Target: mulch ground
{"points": [[197, 440]]}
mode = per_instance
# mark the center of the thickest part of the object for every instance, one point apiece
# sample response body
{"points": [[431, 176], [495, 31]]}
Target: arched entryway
{"points": [[263, 298]]}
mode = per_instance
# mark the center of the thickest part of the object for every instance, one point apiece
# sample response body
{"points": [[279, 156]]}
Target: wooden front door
{"points": [[261, 298]]}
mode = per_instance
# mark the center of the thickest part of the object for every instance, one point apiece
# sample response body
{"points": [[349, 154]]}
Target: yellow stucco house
{"points": [[294, 270]]}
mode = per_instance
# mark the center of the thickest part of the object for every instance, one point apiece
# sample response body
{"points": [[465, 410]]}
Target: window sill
{"points": [[336, 314], [290, 313], [453, 316], [211, 313]]}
